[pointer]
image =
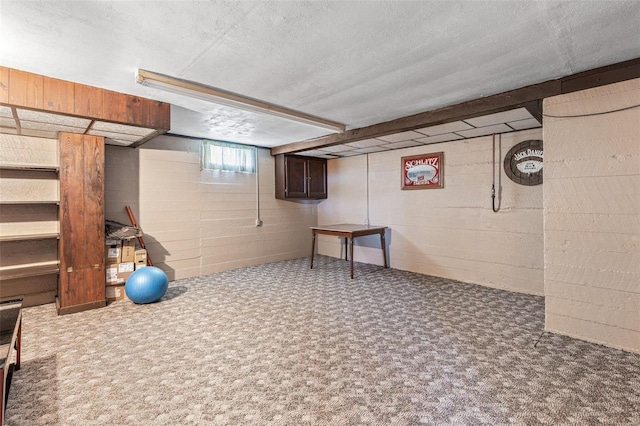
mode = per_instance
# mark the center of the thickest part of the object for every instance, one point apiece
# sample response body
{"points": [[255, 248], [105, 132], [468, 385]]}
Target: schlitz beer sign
{"points": [[524, 162], [422, 171]]}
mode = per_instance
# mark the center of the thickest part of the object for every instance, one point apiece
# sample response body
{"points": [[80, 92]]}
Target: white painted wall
{"points": [[592, 216], [199, 222], [450, 232]]}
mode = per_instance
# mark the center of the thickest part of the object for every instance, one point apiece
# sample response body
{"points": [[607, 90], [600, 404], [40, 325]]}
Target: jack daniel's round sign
{"points": [[524, 162]]}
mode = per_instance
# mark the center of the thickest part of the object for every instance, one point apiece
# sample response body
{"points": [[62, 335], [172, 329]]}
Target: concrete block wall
{"points": [[199, 222], [592, 215], [450, 232]]}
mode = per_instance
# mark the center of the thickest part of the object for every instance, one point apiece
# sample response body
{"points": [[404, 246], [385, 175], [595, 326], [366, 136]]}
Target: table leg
{"points": [[351, 256], [2, 390], [18, 344], [346, 248], [313, 246], [384, 249]]}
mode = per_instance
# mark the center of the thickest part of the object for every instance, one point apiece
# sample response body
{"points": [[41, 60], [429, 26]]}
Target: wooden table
{"points": [[10, 336], [349, 231]]}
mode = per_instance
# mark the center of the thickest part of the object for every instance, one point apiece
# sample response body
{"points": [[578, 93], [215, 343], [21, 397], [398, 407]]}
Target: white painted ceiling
{"points": [[358, 63]]}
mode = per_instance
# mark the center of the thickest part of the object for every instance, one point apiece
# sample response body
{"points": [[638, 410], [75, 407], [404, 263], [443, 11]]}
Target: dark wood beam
{"points": [[609, 74], [147, 138], [535, 109], [529, 97]]}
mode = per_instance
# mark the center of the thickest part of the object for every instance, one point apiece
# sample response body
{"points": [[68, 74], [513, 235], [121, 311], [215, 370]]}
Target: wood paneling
{"points": [[93, 217], [58, 96], [33, 91], [159, 115], [88, 101], [71, 221], [81, 223], [115, 106], [142, 110], [136, 109], [25, 89], [4, 85]]}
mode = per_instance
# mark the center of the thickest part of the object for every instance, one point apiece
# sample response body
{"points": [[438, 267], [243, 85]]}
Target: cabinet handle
{"points": [[96, 266], [70, 269]]}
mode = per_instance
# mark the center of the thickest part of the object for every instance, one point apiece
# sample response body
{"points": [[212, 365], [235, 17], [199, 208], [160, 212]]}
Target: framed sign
{"points": [[422, 171], [524, 163]]}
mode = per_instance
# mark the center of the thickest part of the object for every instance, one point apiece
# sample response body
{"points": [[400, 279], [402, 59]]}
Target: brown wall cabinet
{"points": [[300, 178], [81, 244]]}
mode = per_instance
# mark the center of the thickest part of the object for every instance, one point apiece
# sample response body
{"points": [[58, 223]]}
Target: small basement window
{"points": [[231, 157]]}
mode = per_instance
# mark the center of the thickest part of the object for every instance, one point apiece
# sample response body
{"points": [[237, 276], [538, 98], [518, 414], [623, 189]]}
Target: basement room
{"points": [[320, 213]]}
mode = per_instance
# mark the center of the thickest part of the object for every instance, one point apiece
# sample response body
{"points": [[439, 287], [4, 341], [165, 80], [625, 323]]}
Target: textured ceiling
{"points": [[357, 63]]}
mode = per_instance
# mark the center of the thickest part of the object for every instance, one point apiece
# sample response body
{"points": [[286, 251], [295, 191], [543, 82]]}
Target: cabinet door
{"points": [[317, 178], [295, 177]]}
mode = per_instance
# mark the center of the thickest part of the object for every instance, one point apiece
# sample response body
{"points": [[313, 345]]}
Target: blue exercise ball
{"points": [[146, 285]]}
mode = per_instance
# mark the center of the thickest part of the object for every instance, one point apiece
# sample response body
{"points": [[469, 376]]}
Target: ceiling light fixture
{"points": [[222, 97]]}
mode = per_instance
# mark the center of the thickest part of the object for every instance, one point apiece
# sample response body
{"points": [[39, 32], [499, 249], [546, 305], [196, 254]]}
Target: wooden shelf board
{"points": [[26, 237], [30, 167], [29, 270], [29, 202]]}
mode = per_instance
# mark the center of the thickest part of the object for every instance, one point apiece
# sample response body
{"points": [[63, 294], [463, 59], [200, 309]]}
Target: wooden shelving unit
{"points": [[30, 167], [29, 235], [4, 202], [26, 270]]}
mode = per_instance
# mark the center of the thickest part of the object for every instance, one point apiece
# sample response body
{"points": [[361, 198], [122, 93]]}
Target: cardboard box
{"points": [[115, 292], [112, 252], [128, 250], [140, 265], [140, 257], [118, 273], [112, 274]]}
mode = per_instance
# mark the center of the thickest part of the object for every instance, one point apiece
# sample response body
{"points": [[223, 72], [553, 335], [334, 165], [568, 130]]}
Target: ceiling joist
{"points": [[529, 97]]}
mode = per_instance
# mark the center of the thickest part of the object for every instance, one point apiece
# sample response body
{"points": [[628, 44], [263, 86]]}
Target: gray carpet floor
{"points": [[280, 344]]}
